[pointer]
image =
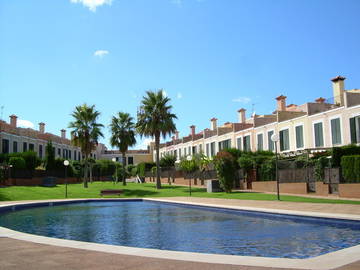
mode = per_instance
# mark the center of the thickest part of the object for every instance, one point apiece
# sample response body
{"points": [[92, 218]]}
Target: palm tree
{"points": [[86, 132], [155, 119], [123, 135]]}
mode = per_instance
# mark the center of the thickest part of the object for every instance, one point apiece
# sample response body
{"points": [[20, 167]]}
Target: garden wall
{"points": [[321, 189], [349, 190], [270, 186]]}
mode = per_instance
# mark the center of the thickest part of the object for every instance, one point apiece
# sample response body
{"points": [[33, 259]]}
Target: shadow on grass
{"points": [[4, 197], [139, 193]]}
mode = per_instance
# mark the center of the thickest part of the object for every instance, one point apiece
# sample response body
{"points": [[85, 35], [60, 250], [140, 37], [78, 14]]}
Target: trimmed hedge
{"points": [[351, 168], [339, 152], [17, 162]]}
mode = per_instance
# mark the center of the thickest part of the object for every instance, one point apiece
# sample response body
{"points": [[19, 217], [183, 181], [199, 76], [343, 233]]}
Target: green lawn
{"points": [[133, 190]]}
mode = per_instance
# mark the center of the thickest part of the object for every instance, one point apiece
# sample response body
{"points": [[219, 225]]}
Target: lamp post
{"points": [[66, 164], [189, 158], [10, 166], [116, 175], [275, 138]]}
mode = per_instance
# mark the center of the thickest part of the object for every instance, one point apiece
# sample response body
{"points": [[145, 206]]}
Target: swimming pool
{"points": [[177, 227]]}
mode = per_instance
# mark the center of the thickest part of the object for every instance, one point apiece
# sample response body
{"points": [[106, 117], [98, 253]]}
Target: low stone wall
{"points": [[349, 190], [321, 189], [36, 181], [270, 186], [178, 181]]}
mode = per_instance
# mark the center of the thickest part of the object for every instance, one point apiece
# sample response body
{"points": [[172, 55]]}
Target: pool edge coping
{"points": [[330, 260]]}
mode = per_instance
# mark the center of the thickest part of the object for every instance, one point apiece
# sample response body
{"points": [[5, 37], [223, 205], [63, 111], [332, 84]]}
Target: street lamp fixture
{"points": [[66, 164], [116, 174], [275, 138]]}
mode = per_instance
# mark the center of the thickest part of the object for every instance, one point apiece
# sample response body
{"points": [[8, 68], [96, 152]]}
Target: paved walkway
{"points": [[16, 254]]}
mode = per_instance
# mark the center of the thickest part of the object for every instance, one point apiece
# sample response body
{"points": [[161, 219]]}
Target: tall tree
{"points": [[86, 132], [155, 119], [123, 135]]}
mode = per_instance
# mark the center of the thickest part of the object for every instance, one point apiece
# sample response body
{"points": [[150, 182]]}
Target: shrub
{"points": [[131, 170], [107, 167], [189, 166], [267, 170], [120, 172], [351, 168], [17, 162], [225, 169], [141, 169], [49, 156], [320, 165], [339, 152], [167, 161], [31, 160]]}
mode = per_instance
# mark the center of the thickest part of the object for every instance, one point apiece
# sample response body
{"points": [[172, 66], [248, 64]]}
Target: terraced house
{"points": [[320, 124], [16, 139]]}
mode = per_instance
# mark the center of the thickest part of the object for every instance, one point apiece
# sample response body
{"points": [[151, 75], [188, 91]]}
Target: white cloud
{"points": [[143, 144], [92, 4], [164, 93], [101, 53], [177, 2], [244, 100], [25, 123], [179, 95]]}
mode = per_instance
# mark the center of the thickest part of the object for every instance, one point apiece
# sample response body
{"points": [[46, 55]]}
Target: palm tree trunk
{"points": [[86, 173], [124, 172], [157, 147]]}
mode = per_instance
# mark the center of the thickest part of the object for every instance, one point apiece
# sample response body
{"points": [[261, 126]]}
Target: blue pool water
{"points": [[186, 228]]}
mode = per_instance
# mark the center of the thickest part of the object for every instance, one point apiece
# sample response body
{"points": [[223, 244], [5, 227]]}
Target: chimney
{"points": [[213, 123], [176, 135], [281, 103], [63, 134], [320, 100], [242, 115], [13, 120], [42, 127], [192, 130], [338, 89]]}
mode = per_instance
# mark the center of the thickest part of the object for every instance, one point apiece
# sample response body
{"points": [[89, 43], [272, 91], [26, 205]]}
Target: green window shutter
{"points": [[319, 136], [239, 143], [260, 142], [270, 142], [299, 136], [282, 144], [335, 131], [353, 130]]}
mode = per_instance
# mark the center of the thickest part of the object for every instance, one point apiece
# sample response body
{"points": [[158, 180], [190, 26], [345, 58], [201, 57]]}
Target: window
{"points": [[212, 149], [59, 152], [31, 146], [64, 153], [246, 142], [260, 143], [319, 136], [335, 131], [224, 145], [15, 147], [270, 142], [5, 146], [189, 150], [117, 159], [355, 129], [194, 150], [185, 152], [24, 147], [299, 132], [40, 151], [208, 150], [75, 155], [284, 140], [238, 141], [130, 160]]}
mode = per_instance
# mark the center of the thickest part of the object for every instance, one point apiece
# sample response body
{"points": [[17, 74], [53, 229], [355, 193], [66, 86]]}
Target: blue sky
{"points": [[212, 57]]}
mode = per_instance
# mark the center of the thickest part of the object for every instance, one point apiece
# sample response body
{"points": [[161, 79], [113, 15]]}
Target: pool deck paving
{"points": [[19, 254]]}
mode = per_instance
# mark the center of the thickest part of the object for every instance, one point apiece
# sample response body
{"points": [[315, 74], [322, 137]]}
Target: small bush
{"points": [[17, 162], [141, 169], [339, 152], [351, 168], [167, 161], [320, 165], [31, 160], [267, 170], [225, 169]]}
